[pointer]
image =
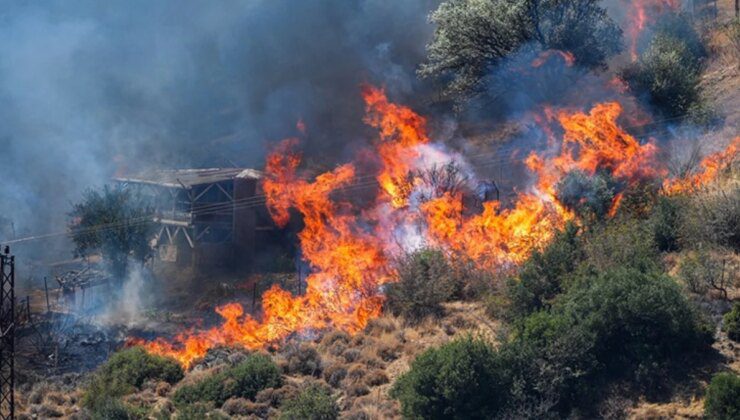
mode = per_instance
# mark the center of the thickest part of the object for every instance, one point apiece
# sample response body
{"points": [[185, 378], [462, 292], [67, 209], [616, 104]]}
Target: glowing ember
{"points": [[349, 249]]}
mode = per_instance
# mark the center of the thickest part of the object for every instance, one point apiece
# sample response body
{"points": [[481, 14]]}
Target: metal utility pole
{"points": [[7, 334]]}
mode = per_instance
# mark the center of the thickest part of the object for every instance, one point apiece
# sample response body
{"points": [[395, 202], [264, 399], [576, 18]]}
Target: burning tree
{"points": [[115, 223]]}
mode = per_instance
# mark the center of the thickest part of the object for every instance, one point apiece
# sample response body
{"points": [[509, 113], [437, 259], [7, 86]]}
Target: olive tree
{"points": [[473, 36], [114, 222]]}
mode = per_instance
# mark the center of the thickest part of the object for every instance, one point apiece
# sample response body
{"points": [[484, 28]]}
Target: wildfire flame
{"points": [[641, 14], [349, 249], [709, 168]]}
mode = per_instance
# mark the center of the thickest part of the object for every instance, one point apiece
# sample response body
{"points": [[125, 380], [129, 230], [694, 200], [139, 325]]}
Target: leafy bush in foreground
{"points": [[313, 403], [456, 380], [641, 324], [723, 397], [622, 326], [244, 380], [126, 371]]}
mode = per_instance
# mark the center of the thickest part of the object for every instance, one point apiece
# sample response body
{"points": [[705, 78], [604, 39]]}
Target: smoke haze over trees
{"points": [[88, 89]]}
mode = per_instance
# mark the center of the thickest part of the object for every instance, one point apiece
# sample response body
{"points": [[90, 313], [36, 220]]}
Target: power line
{"points": [[259, 200]]}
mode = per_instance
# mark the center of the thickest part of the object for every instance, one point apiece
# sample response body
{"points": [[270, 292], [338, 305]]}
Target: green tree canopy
{"points": [[473, 36], [114, 222]]}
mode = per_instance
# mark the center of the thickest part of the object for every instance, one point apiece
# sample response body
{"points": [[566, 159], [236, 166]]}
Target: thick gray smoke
{"points": [[88, 87]]}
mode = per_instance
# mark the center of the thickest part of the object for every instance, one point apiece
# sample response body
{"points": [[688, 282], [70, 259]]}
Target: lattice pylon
{"points": [[7, 336]]}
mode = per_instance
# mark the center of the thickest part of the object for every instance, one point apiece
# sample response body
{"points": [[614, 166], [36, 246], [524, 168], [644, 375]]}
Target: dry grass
{"points": [[693, 409]]}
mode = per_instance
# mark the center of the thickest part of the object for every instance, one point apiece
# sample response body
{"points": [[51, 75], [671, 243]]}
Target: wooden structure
{"points": [[206, 217]]}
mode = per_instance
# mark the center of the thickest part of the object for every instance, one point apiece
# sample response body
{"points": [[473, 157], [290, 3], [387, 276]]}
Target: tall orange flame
{"points": [[349, 250], [401, 129]]}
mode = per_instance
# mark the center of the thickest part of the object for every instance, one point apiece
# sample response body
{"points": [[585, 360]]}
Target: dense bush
{"points": [[541, 276], [680, 26], [126, 371], [472, 37], [589, 196], [622, 326], [732, 322], [244, 380], [665, 221], [313, 403], [425, 281], [640, 322], [669, 72], [456, 380], [723, 397]]}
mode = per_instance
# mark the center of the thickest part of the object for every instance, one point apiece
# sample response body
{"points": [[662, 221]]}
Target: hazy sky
{"points": [[89, 86]]}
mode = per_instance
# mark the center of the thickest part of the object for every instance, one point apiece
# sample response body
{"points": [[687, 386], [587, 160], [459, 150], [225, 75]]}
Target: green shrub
{"points": [[669, 71], [126, 371], [666, 223], [473, 37], [641, 324], [313, 403], [542, 275], [199, 411], [679, 26], [244, 380], [623, 326], [589, 196], [114, 409], [425, 281], [456, 380], [732, 322], [622, 243], [723, 397]]}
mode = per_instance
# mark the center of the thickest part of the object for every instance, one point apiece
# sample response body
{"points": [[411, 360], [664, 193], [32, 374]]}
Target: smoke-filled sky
{"points": [[87, 87]]}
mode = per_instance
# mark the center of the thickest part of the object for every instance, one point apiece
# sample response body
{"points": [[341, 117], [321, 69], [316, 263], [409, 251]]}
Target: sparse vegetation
{"points": [[425, 281], [713, 219]]}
